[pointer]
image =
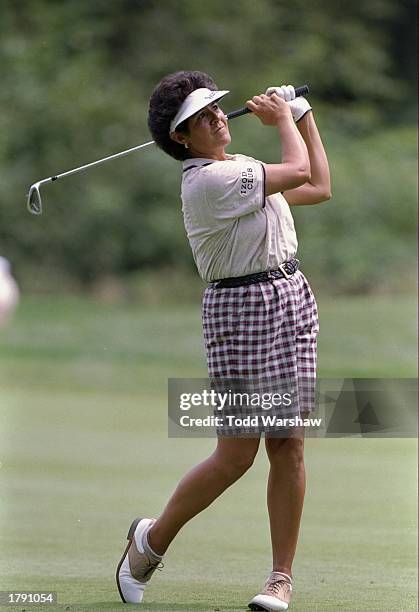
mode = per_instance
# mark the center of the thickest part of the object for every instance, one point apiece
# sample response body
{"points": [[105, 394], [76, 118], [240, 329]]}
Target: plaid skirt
{"points": [[265, 334]]}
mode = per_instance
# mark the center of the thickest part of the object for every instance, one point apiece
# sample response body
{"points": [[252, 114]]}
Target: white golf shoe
{"points": [[136, 566], [276, 594]]}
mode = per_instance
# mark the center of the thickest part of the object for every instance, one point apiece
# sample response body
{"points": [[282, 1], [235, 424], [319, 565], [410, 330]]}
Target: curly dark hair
{"points": [[165, 102]]}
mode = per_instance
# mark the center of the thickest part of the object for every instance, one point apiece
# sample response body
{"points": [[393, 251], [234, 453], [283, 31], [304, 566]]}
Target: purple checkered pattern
{"points": [[264, 331]]}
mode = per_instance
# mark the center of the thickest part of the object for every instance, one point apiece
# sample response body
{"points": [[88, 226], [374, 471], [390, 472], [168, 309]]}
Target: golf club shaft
{"points": [[299, 91], [100, 161]]}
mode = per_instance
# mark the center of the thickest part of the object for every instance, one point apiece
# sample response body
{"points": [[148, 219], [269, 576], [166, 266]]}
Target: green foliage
{"points": [[76, 80], [364, 238]]}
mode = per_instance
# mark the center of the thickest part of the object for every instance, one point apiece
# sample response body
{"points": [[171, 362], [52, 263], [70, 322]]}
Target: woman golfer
{"points": [[259, 313]]}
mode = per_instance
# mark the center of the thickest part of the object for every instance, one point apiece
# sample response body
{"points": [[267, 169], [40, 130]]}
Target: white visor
{"points": [[197, 100]]}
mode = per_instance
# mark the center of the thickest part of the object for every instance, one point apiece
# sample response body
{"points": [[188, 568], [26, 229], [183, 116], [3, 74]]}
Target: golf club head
{"points": [[34, 200]]}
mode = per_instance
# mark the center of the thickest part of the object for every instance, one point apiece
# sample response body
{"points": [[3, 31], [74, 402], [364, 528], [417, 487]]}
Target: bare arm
{"points": [[317, 189], [294, 169]]}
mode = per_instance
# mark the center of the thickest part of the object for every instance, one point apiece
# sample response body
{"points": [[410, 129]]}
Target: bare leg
{"points": [[204, 483], [286, 488]]}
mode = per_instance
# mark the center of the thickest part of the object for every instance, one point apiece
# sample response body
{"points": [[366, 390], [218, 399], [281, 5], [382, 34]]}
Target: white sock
{"points": [[147, 548], [283, 574]]}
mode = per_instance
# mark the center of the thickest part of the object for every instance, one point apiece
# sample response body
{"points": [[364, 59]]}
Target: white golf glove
{"points": [[299, 106]]}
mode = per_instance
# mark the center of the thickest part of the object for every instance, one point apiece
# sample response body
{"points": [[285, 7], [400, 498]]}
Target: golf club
{"points": [[34, 201]]}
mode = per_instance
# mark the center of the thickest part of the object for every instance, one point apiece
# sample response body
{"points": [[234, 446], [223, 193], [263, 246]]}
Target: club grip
{"points": [[299, 91]]}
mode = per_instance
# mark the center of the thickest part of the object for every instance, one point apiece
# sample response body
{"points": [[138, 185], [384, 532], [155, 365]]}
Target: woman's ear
{"points": [[178, 137]]}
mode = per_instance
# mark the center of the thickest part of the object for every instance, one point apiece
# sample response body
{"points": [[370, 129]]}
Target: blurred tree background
{"points": [[76, 79]]}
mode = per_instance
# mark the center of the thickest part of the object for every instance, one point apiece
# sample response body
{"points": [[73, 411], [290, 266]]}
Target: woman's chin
{"points": [[226, 139]]}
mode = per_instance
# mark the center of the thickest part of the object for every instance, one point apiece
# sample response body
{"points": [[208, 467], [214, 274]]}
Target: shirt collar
{"points": [[199, 162]]}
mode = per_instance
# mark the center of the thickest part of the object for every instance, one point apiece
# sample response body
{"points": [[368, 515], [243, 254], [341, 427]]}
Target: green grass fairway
{"points": [[84, 449]]}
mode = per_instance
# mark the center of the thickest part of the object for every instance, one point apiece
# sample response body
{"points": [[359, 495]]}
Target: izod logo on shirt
{"points": [[247, 181]]}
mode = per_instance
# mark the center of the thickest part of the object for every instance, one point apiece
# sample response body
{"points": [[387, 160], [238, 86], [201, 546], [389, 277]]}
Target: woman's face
{"points": [[208, 133]]}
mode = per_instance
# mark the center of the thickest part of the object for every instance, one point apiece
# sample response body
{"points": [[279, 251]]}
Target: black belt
{"points": [[285, 270]]}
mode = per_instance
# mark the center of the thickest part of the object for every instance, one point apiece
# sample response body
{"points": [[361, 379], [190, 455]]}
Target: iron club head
{"points": [[34, 201]]}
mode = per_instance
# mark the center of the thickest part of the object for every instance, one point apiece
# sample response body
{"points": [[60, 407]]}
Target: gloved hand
{"points": [[299, 106]]}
